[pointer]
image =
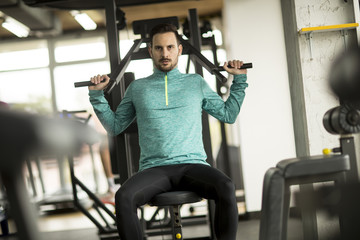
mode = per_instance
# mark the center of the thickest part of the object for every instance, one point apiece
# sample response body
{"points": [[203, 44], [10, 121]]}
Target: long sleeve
{"points": [[225, 111], [113, 122]]}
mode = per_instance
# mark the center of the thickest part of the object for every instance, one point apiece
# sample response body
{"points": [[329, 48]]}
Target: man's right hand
{"points": [[100, 82]]}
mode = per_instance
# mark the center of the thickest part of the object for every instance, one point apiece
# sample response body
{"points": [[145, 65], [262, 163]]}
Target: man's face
{"points": [[165, 51]]}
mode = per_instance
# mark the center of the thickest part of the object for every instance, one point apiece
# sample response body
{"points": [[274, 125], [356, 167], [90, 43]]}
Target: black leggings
{"points": [[207, 181]]}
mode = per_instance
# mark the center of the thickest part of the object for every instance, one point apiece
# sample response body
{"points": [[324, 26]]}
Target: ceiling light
{"points": [[15, 27], [84, 20]]}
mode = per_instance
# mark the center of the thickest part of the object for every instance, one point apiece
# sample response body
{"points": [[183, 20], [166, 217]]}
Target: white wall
{"points": [[254, 33], [325, 48]]}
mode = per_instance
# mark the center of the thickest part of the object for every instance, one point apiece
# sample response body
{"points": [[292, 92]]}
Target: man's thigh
{"points": [[204, 180], [142, 186]]}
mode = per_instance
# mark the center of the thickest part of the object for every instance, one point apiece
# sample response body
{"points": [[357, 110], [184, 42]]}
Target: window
{"points": [[80, 49], [67, 96], [23, 55], [28, 90], [76, 61], [25, 77]]}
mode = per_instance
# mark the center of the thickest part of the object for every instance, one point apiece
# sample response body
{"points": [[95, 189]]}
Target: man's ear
{"points": [[180, 49], [149, 49]]}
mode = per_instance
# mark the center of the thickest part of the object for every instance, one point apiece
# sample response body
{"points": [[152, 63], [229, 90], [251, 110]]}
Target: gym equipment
{"points": [[63, 199], [122, 152], [143, 27], [109, 230], [344, 76], [344, 79], [3, 222], [276, 188], [23, 135], [342, 120], [339, 164], [211, 70], [339, 200], [87, 4], [175, 199]]}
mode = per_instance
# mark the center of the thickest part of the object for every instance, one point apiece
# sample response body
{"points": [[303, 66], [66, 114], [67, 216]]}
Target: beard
{"points": [[166, 64]]}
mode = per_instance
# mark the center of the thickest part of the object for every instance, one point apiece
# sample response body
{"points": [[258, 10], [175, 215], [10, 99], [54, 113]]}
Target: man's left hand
{"points": [[235, 67]]}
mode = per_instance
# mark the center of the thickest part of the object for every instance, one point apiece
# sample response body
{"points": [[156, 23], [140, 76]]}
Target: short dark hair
{"points": [[164, 28]]}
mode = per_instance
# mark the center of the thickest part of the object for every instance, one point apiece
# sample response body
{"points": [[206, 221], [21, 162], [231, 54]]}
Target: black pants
{"points": [[207, 181]]}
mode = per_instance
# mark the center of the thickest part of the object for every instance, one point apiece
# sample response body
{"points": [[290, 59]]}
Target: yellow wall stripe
{"points": [[329, 28]]}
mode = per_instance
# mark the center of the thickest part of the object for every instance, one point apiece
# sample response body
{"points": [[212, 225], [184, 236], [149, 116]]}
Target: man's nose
{"points": [[165, 52]]}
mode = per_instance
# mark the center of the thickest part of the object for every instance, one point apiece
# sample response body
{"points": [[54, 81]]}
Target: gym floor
{"points": [[75, 226], [247, 230]]}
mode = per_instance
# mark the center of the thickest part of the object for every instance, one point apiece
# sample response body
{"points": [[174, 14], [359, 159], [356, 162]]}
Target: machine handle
{"points": [[85, 83], [244, 66], [215, 71]]}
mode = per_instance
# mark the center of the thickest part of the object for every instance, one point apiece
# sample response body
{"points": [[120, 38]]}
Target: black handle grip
{"points": [[85, 83], [244, 66]]}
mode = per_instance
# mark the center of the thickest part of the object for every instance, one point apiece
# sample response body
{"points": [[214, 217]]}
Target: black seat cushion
{"points": [[174, 198], [315, 165]]}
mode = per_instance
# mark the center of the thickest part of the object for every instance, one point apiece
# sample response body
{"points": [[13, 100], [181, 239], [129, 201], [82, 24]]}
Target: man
{"points": [[168, 106]]}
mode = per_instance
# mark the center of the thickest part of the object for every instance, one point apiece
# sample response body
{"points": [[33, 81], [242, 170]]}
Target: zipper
{"points": [[166, 90]]}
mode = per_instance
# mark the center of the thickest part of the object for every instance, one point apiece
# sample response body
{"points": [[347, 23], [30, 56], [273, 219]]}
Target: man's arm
{"points": [[227, 111], [113, 122]]}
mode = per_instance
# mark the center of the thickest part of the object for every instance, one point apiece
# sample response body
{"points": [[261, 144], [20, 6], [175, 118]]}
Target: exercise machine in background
{"points": [[228, 158], [24, 135], [125, 146], [339, 165], [129, 151]]}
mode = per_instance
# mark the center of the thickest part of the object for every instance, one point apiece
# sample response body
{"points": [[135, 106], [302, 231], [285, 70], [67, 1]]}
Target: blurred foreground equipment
{"points": [[21, 135], [344, 80], [344, 76]]}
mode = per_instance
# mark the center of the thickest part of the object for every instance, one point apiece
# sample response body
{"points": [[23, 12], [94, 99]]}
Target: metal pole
{"points": [[22, 210], [347, 144], [117, 93], [195, 40]]}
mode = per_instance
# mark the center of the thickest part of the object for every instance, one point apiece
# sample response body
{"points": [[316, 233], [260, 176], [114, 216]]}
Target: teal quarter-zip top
{"points": [[170, 132]]}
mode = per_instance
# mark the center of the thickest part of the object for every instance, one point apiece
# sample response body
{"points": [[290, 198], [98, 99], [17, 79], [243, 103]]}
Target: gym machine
{"points": [[107, 229], [344, 120], [135, 53], [122, 153], [339, 165], [63, 198], [24, 135], [143, 27]]}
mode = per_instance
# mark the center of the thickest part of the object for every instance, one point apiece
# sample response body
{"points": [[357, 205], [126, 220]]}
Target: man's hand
{"points": [[100, 82], [235, 67]]}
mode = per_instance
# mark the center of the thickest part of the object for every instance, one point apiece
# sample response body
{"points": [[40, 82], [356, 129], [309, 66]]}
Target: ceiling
{"points": [[205, 8]]}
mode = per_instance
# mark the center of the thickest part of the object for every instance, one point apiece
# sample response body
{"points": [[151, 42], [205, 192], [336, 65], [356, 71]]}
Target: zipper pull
{"points": [[166, 91]]}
